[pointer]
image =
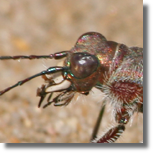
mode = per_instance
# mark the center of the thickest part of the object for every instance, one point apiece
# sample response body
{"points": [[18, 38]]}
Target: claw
{"points": [[61, 86]]}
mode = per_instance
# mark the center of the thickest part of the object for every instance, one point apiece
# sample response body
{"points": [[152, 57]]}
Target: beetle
{"points": [[113, 68]]}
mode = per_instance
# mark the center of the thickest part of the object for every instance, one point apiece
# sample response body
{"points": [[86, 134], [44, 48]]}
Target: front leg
{"points": [[111, 136], [122, 117]]}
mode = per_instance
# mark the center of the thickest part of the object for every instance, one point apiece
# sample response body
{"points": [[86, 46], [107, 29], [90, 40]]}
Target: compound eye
{"points": [[83, 64]]}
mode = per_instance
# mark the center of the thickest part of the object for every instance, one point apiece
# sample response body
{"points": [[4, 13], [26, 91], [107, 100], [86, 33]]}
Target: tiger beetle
{"points": [[113, 68]]}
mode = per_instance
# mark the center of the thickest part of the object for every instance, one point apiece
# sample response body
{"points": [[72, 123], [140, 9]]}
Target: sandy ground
{"points": [[44, 27]]}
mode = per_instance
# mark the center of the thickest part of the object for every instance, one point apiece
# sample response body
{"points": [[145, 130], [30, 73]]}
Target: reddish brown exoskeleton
{"points": [[113, 68]]}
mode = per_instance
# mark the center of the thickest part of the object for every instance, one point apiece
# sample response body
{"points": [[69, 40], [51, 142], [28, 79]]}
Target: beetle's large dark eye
{"points": [[83, 64]]}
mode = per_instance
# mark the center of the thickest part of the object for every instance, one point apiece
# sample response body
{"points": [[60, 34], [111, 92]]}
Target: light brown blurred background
{"points": [[44, 27]]}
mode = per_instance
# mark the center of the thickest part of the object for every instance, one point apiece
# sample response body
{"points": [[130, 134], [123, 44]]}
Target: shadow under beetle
{"points": [[113, 68]]}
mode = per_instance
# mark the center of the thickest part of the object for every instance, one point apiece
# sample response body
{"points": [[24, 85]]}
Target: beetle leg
{"points": [[96, 128], [122, 117], [112, 135]]}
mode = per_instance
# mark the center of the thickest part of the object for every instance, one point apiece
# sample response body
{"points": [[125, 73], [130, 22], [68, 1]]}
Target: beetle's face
{"points": [[82, 63]]}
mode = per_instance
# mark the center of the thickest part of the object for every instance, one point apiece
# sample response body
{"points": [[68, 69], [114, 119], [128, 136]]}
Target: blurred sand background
{"points": [[44, 27]]}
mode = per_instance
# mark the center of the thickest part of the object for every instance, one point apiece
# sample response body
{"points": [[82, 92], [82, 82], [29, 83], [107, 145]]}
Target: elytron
{"points": [[113, 68]]}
